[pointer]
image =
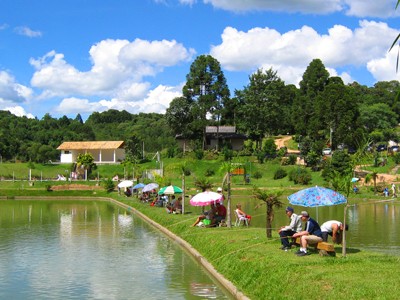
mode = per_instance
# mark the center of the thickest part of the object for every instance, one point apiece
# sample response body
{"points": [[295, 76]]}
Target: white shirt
{"points": [[295, 224], [327, 226]]}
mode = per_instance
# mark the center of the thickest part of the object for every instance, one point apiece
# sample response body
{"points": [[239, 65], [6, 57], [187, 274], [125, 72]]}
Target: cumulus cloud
{"points": [[116, 64], [358, 8], [26, 31], [304, 6], [11, 91], [291, 52], [19, 111], [156, 100]]}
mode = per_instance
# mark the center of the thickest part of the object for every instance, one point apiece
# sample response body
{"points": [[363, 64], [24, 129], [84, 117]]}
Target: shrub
{"points": [[108, 185], [292, 159], [300, 176], [257, 175], [199, 154], [48, 187], [396, 158], [209, 172], [280, 173]]}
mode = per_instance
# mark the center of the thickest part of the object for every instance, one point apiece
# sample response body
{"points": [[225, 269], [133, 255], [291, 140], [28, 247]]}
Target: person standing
{"points": [[288, 231], [394, 190], [334, 229], [311, 235]]}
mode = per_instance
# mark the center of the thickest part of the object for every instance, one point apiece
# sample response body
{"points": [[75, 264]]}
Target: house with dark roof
{"points": [[103, 151], [216, 136]]}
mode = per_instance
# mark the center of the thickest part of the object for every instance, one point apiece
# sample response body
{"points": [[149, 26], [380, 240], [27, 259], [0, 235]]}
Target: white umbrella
{"points": [[205, 198], [149, 187], [125, 183]]}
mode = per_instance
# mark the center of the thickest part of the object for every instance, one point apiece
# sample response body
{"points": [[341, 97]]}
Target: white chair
{"points": [[240, 219]]}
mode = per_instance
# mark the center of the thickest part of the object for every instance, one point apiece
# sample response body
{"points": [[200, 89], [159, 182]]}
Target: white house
{"points": [[103, 152]]}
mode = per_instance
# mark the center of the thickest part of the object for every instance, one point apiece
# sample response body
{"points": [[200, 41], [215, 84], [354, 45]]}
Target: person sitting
{"points": [[355, 189], [128, 192], [207, 215], [220, 213], [311, 235], [334, 229], [386, 192], [291, 229], [241, 214], [177, 206]]}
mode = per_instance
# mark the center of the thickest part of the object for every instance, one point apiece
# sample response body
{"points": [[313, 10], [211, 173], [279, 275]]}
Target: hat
{"points": [[219, 189], [304, 213], [290, 209]]}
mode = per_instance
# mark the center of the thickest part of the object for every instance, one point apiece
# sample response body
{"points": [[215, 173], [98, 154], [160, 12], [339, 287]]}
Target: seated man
{"points": [[311, 235], [209, 215], [291, 229], [334, 229], [220, 213]]}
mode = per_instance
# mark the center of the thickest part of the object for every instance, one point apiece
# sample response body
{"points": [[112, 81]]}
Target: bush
{"points": [[280, 173], [292, 159], [199, 154], [108, 185], [257, 175], [396, 158], [300, 176], [209, 172]]}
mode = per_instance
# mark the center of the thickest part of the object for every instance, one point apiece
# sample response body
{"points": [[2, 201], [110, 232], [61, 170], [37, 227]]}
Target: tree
{"points": [[179, 117], [314, 81], [86, 162], [206, 87], [270, 200], [260, 110]]}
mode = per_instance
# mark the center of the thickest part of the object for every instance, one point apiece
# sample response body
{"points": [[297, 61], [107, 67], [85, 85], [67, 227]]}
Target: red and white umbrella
{"points": [[206, 198]]}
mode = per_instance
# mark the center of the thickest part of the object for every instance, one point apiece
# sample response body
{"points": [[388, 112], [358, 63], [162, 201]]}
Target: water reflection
{"points": [[373, 225], [92, 250]]}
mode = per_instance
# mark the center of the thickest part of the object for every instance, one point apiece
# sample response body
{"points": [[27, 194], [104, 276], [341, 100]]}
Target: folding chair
{"points": [[240, 219]]}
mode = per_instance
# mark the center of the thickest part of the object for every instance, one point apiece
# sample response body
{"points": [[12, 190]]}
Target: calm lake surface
{"points": [[92, 250]]}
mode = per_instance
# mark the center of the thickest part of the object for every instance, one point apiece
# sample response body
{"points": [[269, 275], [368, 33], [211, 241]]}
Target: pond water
{"points": [[92, 250], [373, 225]]}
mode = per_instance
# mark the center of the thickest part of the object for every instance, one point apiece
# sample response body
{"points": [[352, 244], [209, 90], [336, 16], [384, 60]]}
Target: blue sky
{"points": [[82, 56]]}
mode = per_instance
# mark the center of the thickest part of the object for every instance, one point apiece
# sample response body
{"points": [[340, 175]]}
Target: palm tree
{"points": [[374, 176], [270, 200], [228, 167], [203, 184]]}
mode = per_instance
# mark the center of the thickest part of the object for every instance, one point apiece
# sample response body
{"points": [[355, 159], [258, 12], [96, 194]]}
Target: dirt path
{"points": [[281, 143]]}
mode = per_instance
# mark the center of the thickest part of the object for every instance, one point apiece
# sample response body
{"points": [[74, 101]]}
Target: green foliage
{"points": [[228, 153], [199, 154], [313, 160], [300, 176], [396, 158], [260, 156], [108, 185], [257, 175], [280, 173], [209, 172], [203, 184]]}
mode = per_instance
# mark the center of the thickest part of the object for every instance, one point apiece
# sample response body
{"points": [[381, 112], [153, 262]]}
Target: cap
{"points": [[304, 213], [219, 189], [290, 209]]}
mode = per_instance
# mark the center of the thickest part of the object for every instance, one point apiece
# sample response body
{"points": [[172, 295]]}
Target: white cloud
{"points": [[358, 8], [156, 100], [381, 9], [12, 91], [304, 6], [383, 69], [18, 111], [26, 31], [290, 53], [116, 64]]}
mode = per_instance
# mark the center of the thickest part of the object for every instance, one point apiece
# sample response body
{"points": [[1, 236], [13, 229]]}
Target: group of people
{"points": [[215, 215], [312, 233], [394, 191], [174, 206]]}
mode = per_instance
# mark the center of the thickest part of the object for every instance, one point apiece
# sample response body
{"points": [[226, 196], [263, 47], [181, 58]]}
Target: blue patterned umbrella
{"points": [[316, 196]]}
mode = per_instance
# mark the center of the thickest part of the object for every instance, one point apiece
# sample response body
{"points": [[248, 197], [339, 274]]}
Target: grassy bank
{"points": [[261, 271], [256, 266]]}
